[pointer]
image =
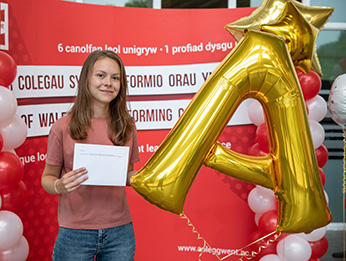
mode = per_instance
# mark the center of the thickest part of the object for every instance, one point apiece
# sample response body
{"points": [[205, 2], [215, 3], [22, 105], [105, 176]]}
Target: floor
{"points": [[335, 244]]}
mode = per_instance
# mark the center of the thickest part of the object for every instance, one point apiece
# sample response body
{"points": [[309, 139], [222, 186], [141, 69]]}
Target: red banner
{"points": [[168, 55]]}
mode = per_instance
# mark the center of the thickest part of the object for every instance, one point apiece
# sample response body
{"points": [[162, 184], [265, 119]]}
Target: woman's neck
{"points": [[101, 111]]}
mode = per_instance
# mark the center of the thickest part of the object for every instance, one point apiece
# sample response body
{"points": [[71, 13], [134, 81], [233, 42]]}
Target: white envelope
{"points": [[106, 165]]}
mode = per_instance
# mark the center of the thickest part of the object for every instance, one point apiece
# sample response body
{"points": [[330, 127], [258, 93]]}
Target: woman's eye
{"points": [[100, 75], [116, 78]]}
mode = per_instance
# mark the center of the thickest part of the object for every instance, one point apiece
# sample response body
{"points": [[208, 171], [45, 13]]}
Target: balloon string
{"points": [[205, 243], [254, 253], [199, 237]]}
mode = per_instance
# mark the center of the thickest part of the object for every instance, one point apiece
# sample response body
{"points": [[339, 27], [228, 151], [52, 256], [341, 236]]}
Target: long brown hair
{"points": [[121, 123]]}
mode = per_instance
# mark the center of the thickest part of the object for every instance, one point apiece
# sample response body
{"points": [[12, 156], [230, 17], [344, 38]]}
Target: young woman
{"points": [[94, 221]]}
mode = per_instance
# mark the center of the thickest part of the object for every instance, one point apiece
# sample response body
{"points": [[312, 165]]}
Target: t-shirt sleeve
{"points": [[134, 157], [55, 155]]}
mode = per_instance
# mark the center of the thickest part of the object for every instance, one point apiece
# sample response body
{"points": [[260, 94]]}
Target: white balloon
{"points": [[257, 217], [317, 108], [265, 191], [14, 133], [11, 230], [19, 252], [260, 202], [317, 133], [326, 195], [270, 257], [255, 113], [8, 105], [337, 100], [294, 248], [10, 150], [315, 235]]}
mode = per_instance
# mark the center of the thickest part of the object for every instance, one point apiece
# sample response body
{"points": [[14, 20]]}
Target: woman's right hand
{"points": [[71, 180]]}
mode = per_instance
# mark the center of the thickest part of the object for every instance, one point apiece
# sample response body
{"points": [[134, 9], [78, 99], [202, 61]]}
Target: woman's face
{"points": [[104, 81]]}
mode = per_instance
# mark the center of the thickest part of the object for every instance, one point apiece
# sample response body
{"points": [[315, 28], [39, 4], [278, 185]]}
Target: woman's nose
{"points": [[107, 81]]}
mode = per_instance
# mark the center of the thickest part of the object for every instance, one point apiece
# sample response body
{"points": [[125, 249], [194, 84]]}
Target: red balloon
{"points": [[16, 199], [11, 171], [322, 175], [307, 109], [8, 69], [321, 155], [268, 222], [310, 84], [1, 142], [262, 137], [319, 248], [255, 150]]}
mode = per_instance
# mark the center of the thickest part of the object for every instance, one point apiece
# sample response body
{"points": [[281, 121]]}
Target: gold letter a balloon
{"points": [[259, 67]]}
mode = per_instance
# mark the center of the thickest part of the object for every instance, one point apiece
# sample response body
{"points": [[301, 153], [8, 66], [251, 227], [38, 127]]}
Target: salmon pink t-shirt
{"points": [[89, 207]]}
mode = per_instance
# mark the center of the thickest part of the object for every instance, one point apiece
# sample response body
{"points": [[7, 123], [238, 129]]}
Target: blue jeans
{"points": [[117, 243]]}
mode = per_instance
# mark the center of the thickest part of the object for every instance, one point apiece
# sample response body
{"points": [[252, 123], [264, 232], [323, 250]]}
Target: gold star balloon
{"points": [[270, 10], [301, 35]]}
